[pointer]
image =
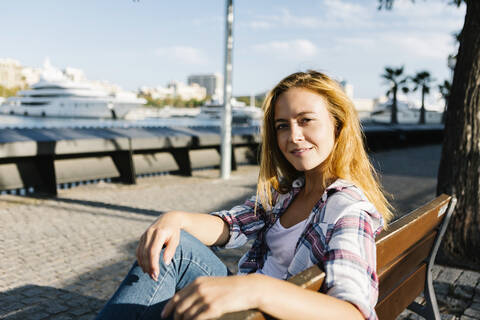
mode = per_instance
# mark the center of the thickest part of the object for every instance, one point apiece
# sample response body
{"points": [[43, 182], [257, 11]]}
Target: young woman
{"points": [[318, 202]]}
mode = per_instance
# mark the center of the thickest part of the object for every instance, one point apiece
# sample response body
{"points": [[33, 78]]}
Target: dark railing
{"points": [[39, 160]]}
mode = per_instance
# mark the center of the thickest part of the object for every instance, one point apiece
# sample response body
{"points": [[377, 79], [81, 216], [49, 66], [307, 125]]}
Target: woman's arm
{"points": [[165, 231], [210, 297], [284, 300], [210, 230]]}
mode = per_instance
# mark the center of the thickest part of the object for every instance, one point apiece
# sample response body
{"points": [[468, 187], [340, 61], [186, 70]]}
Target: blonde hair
{"points": [[348, 159]]}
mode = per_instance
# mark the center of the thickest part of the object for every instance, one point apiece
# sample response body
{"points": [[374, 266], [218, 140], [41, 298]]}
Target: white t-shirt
{"points": [[282, 242]]}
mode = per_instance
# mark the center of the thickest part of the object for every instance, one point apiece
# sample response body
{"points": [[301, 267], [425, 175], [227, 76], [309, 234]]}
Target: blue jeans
{"points": [[140, 297]]}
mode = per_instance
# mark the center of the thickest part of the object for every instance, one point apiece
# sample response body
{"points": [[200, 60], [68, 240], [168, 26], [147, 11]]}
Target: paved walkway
{"points": [[62, 258]]}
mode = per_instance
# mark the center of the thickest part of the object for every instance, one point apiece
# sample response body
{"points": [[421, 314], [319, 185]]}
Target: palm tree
{"points": [[422, 80], [444, 89], [392, 77]]}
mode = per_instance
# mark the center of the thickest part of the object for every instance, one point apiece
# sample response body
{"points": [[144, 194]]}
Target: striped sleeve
{"points": [[243, 221], [350, 260]]}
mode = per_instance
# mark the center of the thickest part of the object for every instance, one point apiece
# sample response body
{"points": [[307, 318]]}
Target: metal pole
{"points": [[226, 147]]}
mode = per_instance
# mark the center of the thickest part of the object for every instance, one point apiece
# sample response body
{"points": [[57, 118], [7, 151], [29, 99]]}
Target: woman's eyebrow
{"points": [[298, 115]]}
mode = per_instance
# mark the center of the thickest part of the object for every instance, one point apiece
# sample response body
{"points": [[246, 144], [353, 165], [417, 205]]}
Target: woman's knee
{"points": [[192, 251]]}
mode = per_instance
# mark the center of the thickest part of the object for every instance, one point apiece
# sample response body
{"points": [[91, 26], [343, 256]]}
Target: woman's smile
{"points": [[300, 151]]}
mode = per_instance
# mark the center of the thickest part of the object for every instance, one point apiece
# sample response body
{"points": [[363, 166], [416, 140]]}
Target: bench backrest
{"points": [[404, 255]]}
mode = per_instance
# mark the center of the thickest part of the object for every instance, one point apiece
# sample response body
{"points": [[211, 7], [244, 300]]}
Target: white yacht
{"points": [[57, 95], [64, 98], [406, 113], [241, 113]]}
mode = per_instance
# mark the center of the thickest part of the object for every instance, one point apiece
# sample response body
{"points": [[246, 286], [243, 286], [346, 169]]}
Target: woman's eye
{"points": [[305, 120], [280, 126]]}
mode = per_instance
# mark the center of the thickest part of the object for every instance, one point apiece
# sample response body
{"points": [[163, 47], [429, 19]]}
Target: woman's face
{"points": [[304, 127]]}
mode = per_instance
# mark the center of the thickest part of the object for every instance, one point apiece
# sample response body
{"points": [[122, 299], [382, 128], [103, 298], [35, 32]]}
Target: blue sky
{"points": [[151, 42]]}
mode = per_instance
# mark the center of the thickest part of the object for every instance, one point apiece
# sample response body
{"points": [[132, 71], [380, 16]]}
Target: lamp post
{"points": [[226, 146]]}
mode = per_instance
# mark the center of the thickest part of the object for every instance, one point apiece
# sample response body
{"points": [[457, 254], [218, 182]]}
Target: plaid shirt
{"points": [[340, 237]]}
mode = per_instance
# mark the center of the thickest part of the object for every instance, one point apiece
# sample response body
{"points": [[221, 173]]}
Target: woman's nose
{"points": [[296, 133]]}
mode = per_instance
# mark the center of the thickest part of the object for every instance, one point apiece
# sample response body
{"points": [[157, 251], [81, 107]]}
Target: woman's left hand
{"points": [[210, 297]]}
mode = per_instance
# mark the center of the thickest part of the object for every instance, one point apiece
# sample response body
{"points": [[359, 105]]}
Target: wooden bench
{"points": [[405, 257]]}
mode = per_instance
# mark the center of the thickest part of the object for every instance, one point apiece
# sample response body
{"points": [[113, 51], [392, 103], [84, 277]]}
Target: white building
{"points": [[176, 89], [31, 75], [74, 74], [11, 73], [187, 92], [212, 82]]}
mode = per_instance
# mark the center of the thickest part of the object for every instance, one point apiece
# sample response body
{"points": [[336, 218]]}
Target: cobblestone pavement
{"points": [[62, 258]]}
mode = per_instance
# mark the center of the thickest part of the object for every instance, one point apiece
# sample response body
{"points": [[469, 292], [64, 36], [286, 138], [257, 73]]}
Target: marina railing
{"points": [[43, 160]]}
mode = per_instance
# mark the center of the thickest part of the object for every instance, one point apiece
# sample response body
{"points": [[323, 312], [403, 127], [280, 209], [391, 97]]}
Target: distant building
{"points": [[11, 73], [74, 74], [213, 83], [187, 92], [31, 75], [176, 89], [362, 105]]}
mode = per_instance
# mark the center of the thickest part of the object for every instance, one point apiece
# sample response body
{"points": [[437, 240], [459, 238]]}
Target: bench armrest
{"points": [[310, 279]]}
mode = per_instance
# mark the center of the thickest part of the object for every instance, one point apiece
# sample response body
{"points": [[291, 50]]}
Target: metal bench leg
{"points": [[182, 158], [430, 309], [46, 169], [123, 161]]}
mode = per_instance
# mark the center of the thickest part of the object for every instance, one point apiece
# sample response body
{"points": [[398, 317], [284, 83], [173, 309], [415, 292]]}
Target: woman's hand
{"points": [[165, 231], [210, 297]]}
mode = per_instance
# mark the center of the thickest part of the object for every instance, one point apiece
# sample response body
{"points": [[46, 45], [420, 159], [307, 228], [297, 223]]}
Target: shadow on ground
{"points": [[105, 205], [40, 302], [83, 296]]}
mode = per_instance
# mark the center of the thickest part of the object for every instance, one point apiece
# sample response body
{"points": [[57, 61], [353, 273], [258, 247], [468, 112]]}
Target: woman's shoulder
{"points": [[343, 198]]}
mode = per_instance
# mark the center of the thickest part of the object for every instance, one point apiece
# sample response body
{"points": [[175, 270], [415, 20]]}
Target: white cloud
{"points": [[208, 21], [421, 45], [259, 24], [348, 12], [296, 49], [284, 18], [182, 54]]}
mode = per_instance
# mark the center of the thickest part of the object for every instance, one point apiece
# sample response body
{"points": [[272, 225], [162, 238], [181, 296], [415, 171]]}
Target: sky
{"points": [[136, 43]]}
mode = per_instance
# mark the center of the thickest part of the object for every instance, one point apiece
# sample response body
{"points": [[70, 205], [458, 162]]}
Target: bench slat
{"points": [[244, 315], [407, 263], [408, 230], [399, 299], [311, 278]]}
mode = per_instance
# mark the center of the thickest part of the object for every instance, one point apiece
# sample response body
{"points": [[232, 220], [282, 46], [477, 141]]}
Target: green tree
{"points": [[422, 81], [458, 173], [10, 92], [394, 78]]}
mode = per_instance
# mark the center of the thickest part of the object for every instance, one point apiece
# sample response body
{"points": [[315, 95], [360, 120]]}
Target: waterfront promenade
{"points": [[61, 258]]}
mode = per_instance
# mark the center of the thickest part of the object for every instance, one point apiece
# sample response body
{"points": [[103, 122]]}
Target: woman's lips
{"points": [[300, 151]]}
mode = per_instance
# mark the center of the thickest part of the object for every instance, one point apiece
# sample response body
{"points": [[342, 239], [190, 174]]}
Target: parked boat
{"points": [[406, 113], [241, 114], [65, 98]]}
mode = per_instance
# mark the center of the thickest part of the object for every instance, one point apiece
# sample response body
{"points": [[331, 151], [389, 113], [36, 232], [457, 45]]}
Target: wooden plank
{"points": [[399, 299], [244, 315], [392, 275], [408, 230], [310, 279]]}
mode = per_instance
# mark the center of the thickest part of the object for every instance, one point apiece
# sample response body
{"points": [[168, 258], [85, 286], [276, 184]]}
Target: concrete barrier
{"points": [[41, 159]]}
